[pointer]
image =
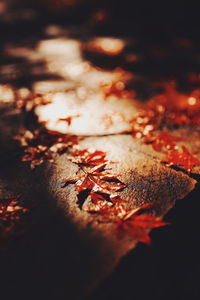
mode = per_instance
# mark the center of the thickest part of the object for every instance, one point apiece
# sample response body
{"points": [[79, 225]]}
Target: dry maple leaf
{"points": [[131, 222], [11, 213], [69, 119], [161, 140], [98, 202], [108, 210], [89, 159], [107, 184], [86, 184], [178, 109], [101, 182], [138, 225], [40, 144], [168, 109], [94, 178], [182, 158]]}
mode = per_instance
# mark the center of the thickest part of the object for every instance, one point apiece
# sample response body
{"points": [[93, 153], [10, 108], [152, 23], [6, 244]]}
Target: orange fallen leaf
{"points": [[162, 140], [138, 226], [182, 158]]}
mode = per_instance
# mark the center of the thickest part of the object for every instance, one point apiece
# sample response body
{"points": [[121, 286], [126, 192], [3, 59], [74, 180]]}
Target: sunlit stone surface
{"points": [[6, 93]]}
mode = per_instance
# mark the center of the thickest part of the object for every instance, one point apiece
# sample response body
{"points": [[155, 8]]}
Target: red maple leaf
{"points": [[109, 212], [98, 202], [108, 206], [178, 108], [89, 159], [138, 225], [86, 184], [40, 144], [162, 140], [68, 119], [182, 158], [102, 182], [169, 108], [93, 176], [102, 186], [11, 213], [131, 222]]}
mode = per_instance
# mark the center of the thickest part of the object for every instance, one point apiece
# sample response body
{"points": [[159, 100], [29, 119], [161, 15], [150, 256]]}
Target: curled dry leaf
{"points": [[93, 177], [108, 212], [98, 182], [98, 202], [69, 119], [102, 186], [182, 158], [138, 226], [40, 144], [162, 140], [88, 158], [169, 109], [132, 222], [11, 214]]}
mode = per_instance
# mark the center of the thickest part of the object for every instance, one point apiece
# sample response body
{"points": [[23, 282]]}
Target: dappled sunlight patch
{"points": [[7, 93], [106, 45]]}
